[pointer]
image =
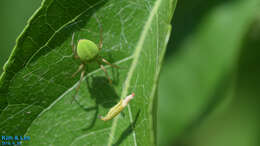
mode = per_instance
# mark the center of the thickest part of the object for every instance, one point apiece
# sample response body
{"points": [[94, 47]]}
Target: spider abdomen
{"points": [[87, 50]]}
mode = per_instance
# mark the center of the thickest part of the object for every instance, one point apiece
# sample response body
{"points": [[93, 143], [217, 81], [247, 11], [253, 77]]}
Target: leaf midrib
{"points": [[136, 55]]}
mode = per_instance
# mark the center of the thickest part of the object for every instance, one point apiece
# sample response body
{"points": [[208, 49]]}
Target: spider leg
{"points": [[101, 38], [78, 86], [105, 71], [74, 48], [112, 65], [100, 45], [79, 69]]}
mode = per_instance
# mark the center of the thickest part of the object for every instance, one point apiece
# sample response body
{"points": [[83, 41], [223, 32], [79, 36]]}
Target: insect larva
{"points": [[114, 111]]}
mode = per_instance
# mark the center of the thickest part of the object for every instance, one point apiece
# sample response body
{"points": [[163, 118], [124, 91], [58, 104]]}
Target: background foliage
{"points": [[14, 15], [209, 87]]}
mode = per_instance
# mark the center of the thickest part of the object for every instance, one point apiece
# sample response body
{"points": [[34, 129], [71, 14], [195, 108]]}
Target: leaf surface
{"points": [[37, 87]]}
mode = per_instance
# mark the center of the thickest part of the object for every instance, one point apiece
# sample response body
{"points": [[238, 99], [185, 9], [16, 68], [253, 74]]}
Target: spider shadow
{"points": [[128, 130], [88, 110], [104, 95]]}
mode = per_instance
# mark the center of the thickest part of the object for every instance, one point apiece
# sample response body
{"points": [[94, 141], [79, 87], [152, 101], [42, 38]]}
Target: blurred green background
{"points": [[14, 15], [209, 86]]}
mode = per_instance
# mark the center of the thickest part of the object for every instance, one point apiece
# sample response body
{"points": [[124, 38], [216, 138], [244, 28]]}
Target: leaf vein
{"points": [[136, 55]]}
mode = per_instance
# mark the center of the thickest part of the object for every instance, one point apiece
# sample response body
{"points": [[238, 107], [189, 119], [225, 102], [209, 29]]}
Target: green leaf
{"points": [[196, 78], [223, 127], [37, 88], [244, 106]]}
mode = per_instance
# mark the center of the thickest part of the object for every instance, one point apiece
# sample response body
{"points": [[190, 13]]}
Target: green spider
{"points": [[87, 51]]}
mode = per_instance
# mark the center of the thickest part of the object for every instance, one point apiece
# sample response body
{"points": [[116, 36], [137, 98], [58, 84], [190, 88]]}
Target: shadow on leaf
{"points": [[127, 131], [104, 95], [103, 92]]}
